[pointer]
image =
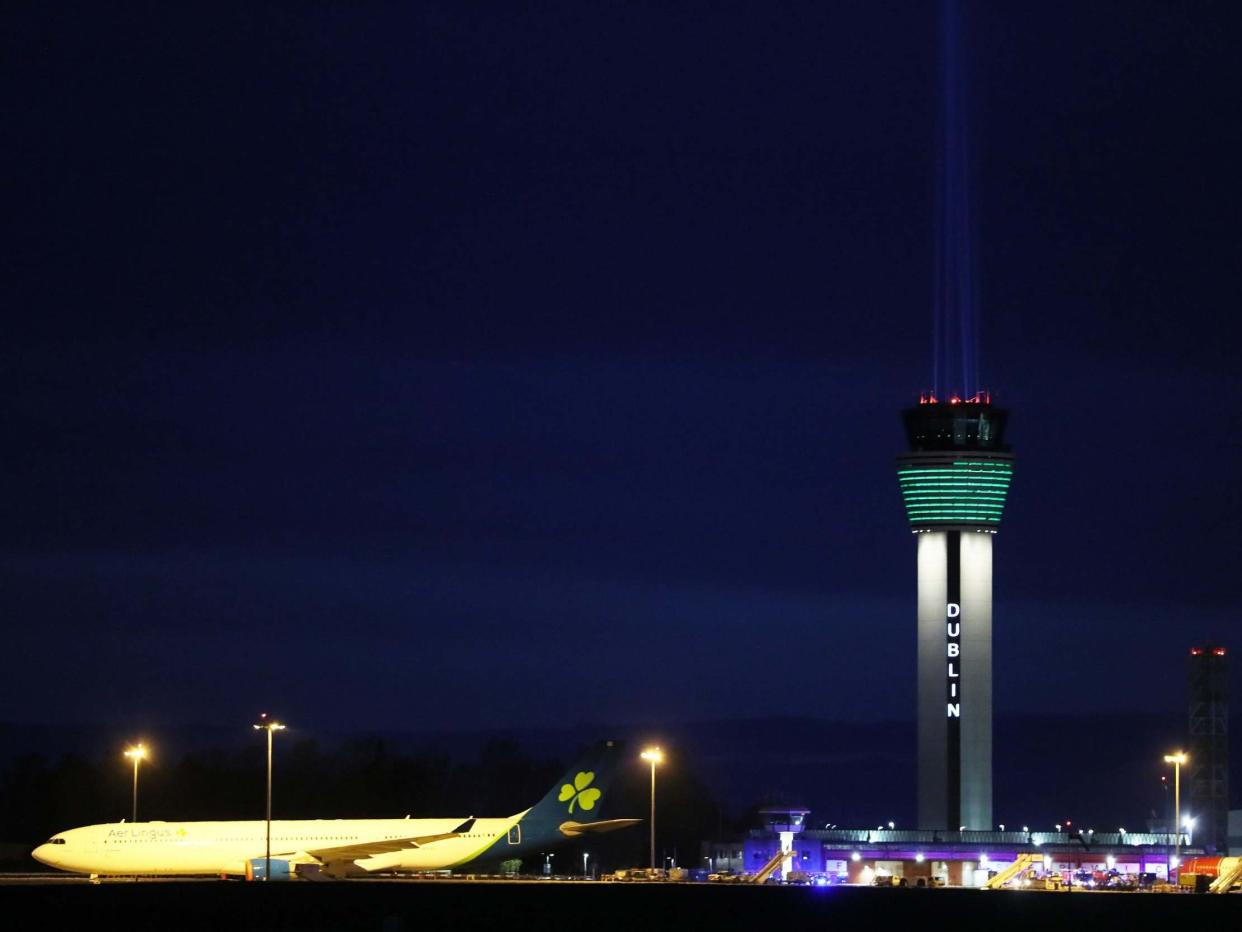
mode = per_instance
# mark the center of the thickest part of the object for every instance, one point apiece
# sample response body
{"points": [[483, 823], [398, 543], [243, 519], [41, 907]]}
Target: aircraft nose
{"points": [[43, 854]]}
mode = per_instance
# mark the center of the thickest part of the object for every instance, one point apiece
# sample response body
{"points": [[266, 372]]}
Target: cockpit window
{"points": [[55, 841]]}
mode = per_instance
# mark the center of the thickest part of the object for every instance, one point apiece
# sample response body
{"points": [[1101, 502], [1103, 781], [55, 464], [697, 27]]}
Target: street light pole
{"points": [[654, 756], [270, 727], [1177, 760], [136, 753]]}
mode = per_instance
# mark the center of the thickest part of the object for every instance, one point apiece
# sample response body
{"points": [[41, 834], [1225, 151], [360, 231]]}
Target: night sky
{"points": [[481, 365]]}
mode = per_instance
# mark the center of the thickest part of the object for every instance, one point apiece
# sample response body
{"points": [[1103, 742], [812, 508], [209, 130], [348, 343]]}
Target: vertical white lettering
{"points": [[953, 650]]}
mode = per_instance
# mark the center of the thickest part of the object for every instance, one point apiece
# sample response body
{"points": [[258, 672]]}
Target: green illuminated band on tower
{"points": [[960, 492]]}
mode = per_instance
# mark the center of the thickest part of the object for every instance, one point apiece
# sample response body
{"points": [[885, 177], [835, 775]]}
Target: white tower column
{"points": [[954, 679]]}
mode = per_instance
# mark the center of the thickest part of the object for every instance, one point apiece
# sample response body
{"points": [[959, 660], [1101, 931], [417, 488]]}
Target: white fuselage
{"points": [[227, 847]]}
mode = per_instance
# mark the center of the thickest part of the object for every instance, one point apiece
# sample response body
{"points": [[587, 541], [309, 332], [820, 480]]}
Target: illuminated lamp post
{"points": [[270, 727], [1177, 760], [654, 756], [136, 753]]}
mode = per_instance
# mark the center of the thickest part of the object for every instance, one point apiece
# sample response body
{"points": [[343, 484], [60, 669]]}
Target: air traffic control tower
{"points": [[954, 480]]}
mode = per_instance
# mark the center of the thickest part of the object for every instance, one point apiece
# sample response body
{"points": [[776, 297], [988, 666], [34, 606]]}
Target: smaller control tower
{"points": [[786, 822], [954, 481]]}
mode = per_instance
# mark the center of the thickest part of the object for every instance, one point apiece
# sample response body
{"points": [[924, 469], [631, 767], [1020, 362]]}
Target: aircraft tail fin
{"points": [[575, 806], [581, 795]]}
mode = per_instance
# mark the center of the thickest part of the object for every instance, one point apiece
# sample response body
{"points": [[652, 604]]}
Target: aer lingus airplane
{"points": [[343, 847]]}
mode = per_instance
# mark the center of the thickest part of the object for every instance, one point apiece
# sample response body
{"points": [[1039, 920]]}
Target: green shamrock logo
{"points": [[579, 793]]}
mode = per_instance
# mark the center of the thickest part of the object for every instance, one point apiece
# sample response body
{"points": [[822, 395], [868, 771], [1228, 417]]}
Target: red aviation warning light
{"points": [[981, 397]]}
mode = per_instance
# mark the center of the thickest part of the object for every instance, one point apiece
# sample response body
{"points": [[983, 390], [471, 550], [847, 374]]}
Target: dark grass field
{"points": [[400, 906]]}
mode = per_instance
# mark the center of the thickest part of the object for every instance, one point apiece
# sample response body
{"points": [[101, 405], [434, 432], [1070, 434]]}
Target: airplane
{"points": [[318, 849]]}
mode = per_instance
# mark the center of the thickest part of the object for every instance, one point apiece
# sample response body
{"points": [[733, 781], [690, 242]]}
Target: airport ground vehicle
{"points": [[1211, 874], [628, 874], [889, 880]]}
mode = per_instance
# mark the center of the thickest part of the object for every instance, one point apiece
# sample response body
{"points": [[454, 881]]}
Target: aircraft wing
{"points": [[369, 849]]}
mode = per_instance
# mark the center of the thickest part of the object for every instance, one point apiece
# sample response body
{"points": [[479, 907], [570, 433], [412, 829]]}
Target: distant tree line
{"points": [[362, 778]]}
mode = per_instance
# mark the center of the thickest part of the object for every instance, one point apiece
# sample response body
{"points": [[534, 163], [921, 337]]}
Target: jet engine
{"points": [[256, 869]]}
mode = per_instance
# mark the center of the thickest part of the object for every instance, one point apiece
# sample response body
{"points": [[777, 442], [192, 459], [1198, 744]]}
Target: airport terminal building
{"points": [[953, 858]]}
